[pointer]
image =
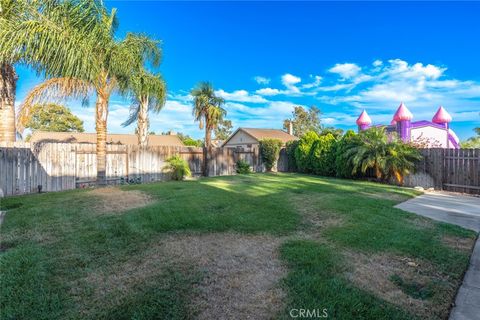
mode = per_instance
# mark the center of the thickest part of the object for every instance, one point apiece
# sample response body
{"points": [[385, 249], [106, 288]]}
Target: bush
{"points": [[343, 163], [322, 156], [270, 151], [291, 147], [177, 167], [302, 152], [243, 167]]}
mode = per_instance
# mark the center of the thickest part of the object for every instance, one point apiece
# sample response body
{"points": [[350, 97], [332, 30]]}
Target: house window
{"points": [[249, 145]]}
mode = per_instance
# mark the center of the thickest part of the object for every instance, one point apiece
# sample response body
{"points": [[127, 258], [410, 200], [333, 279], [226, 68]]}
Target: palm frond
{"points": [[51, 90]]}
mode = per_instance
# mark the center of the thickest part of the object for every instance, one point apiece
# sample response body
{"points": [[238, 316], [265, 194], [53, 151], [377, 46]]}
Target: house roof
{"points": [[364, 119], [259, 134], [127, 139]]}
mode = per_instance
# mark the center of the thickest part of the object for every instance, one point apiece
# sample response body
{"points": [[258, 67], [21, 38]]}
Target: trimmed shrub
{"points": [[302, 152], [291, 147], [177, 167], [243, 167], [270, 151], [343, 163], [321, 155]]}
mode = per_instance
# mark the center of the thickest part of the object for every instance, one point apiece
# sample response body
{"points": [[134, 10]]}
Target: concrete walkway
{"points": [[463, 211]]}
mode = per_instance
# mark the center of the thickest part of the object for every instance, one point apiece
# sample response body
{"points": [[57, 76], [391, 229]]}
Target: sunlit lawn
{"points": [[55, 246]]}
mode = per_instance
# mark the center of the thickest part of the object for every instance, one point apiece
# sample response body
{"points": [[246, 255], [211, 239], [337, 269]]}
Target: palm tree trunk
{"points": [[8, 84], [101, 127], [142, 123], [207, 149]]}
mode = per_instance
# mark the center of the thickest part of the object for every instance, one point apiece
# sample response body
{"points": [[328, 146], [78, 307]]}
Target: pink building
{"points": [[435, 133]]}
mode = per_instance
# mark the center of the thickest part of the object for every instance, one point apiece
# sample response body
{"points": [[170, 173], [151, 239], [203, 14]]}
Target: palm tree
{"points": [[43, 35], [370, 153], [110, 65], [389, 157], [148, 92], [400, 160], [207, 109]]}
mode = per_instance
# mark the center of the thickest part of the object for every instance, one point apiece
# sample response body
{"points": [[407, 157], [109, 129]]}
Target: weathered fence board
{"points": [[456, 170], [63, 166]]}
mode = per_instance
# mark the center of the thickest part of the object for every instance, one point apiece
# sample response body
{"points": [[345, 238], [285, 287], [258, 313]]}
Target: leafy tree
{"points": [[270, 151], [336, 132], [53, 117], [44, 35], [148, 93], [302, 152], [107, 65], [304, 120], [473, 142], [223, 130]]}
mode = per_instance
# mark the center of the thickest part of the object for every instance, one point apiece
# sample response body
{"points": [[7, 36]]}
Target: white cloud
{"points": [[345, 70], [261, 80], [377, 63], [268, 92], [289, 81], [315, 83], [240, 95]]}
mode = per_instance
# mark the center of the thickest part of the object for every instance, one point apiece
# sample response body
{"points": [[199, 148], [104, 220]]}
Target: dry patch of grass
{"points": [[114, 200], [314, 218], [464, 244], [240, 274], [411, 284]]}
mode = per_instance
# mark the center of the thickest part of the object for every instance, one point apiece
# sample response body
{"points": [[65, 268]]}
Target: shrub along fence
{"points": [[62, 166]]}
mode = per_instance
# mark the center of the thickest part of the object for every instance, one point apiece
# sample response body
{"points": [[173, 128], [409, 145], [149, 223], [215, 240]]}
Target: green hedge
{"points": [[270, 151]]}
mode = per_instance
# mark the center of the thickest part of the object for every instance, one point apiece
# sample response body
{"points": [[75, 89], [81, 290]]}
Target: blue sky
{"points": [[266, 57]]}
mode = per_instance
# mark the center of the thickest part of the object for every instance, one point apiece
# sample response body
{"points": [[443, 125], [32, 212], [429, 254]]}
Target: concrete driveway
{"points": [[465, 212], [447, 207]]}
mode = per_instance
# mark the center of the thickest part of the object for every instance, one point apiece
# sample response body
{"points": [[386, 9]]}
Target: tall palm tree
{"points": [[148, 93], [43, 35], [111, 63], [207, 109]]}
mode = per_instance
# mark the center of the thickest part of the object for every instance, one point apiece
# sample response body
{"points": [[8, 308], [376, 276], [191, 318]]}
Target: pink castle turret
{"points": [[403, 117], [442, 117], [363, 121]]}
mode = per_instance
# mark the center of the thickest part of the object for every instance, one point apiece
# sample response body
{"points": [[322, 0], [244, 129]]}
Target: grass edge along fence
{"points": [[26, 168]]}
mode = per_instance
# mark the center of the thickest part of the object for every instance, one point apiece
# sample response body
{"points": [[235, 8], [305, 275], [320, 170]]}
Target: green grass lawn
{"points": [[343, 245]]}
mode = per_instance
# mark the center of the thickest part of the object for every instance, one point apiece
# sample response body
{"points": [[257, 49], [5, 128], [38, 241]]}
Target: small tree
{"points": [[304, 120], [223, 129], [53, 117], [270, 151], [291, 147]]}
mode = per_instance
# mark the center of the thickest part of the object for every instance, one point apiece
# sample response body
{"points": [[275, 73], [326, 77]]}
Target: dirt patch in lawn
{"points": [[411, 284], [241, 274], [114, 200], [314, 219], [464, 244]]}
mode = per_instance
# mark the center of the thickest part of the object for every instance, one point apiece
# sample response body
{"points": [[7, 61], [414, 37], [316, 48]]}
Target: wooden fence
{"points": [[456, 170], [63, 166]]}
